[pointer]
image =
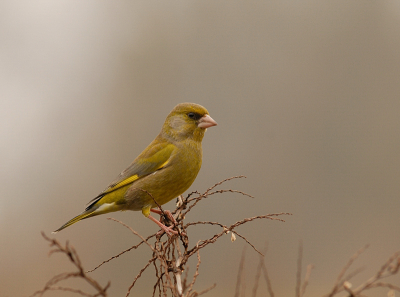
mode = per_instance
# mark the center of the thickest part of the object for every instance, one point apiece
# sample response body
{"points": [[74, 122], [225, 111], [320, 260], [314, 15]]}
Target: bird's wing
{"points": [[155, 157]]}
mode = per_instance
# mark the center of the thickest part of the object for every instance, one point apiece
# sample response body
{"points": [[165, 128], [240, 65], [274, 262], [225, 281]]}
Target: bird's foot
{"points": [[163, 227], [167, 212], [170, 232]]}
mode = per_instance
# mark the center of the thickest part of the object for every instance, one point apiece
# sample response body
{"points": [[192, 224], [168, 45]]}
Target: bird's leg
{"points": [[166, 229], [167, 212]]}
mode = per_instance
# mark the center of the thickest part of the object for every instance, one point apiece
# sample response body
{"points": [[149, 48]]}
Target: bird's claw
{"points": [[170, 232]]}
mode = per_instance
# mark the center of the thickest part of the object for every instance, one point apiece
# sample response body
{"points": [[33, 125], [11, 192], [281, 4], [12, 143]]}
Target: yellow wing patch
{"points": [[164, 164], [121, 184]]}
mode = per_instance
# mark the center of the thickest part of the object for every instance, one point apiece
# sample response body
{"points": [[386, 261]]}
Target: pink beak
{"points": [[206, 122]]}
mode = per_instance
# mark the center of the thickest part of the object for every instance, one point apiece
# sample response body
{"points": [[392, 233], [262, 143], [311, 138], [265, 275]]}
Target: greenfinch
{"points": [[162, 172]]}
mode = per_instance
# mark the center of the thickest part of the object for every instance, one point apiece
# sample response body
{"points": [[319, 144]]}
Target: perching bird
{"points": [[163, 171]]}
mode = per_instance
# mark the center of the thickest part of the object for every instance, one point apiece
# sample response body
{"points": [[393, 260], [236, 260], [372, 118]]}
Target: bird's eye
{"points": [[192, 115]]}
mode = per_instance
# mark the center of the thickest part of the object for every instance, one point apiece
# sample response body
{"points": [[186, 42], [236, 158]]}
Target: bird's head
{"points": [[188, 120]]}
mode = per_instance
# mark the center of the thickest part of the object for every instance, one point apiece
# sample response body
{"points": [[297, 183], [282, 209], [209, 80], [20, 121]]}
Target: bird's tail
{"points": [[92, 211], [84, 215]]}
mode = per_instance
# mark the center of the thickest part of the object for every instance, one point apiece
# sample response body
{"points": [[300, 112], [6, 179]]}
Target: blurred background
{"points": [[306, 95]]}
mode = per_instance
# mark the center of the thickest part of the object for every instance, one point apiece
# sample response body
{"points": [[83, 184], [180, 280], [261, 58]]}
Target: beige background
{"points": [[306, 94]]}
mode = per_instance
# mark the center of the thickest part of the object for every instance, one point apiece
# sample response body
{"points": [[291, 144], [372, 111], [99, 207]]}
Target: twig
{"points": [[248, 242], [338, 286], [134, 232], [140, 274], [239, 279], [207, 193], [72, 255], [168, 257], [306, 279], [389, 268], [204, 291], [230, 228], [196, 274], [298, 274], [267, 280], [121, 253], [223, 181], [259, 270]]}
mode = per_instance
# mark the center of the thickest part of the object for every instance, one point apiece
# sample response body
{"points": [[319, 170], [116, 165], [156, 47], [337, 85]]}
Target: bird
{"points": [[165, 169]]}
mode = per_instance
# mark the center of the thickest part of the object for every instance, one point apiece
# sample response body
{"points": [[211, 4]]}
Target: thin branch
{"points": [[267, 280], [204, 291], [196, 274], [298, 274], [306, 279], [259, 270], [134, 232], [73, 257], [230, 228], [140, 274], [240, 273], [338, 286], [168, 257], [389, 268], [121, 253]]}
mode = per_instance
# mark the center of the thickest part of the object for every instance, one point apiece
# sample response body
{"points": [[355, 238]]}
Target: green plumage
{"points": [[165, 169]]}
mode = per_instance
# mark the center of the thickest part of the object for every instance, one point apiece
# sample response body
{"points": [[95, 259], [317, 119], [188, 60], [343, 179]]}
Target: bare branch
{"points": [[73, 257], [196, 274], [306, 279], [338, 286], [121, 253], [240, 275], [169, 256], [140, 274], [298, 274]]}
